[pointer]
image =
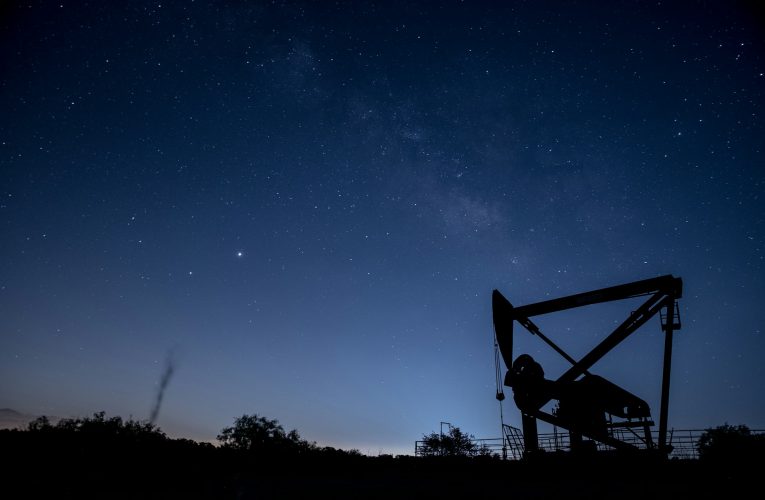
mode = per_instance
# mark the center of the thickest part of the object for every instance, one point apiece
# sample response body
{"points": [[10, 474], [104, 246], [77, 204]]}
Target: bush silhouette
{"points": [[730, 443], [454, 444], [259, 435], [98, 433]]}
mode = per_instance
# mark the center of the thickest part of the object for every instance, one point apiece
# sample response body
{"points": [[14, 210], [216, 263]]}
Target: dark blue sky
{"points": [[309, 205]]}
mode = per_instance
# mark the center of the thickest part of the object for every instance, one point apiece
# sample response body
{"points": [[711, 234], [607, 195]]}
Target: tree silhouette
{"points": [[455, 444], [255, 434], [98, 426], [730, 443], [39, 424]]}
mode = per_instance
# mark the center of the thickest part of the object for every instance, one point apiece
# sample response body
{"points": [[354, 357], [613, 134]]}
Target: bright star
{"points": [[240, 254]]}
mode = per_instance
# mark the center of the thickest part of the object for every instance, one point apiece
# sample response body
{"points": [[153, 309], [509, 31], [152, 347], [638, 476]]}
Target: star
{"points": [[239, 254]]}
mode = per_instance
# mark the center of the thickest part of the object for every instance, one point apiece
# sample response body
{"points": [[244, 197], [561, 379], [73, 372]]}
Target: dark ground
{"points": [[40, 466]]}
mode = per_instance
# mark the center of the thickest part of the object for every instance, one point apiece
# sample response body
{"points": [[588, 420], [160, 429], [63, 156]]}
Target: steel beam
{"points": [[667, 284], [664, 411]]}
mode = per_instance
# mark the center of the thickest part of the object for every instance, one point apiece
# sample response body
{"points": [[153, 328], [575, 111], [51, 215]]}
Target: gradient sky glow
{"points": [[309, 204]]}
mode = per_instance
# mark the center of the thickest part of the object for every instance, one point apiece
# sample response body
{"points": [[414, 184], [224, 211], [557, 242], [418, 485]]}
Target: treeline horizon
{"points": [[255, 434], [256, 457]]}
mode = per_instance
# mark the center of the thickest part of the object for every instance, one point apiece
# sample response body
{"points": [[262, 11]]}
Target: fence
{"points": [[683, 442]]}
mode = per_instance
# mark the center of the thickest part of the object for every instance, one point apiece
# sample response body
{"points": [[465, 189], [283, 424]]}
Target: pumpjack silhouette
{"points": [[589, 406]]}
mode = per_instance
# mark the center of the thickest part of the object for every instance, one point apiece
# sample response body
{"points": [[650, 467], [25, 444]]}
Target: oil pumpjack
{"points": [[589, 406]]}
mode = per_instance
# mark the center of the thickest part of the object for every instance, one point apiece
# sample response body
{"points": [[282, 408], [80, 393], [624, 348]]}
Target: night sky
{"points": [[305, 207]]}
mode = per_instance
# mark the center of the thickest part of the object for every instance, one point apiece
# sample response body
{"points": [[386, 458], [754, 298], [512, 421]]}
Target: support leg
{"points": [[530, 436]]}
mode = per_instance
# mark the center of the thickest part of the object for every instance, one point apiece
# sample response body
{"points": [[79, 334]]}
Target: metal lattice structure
{"points": [[589, 406]]}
